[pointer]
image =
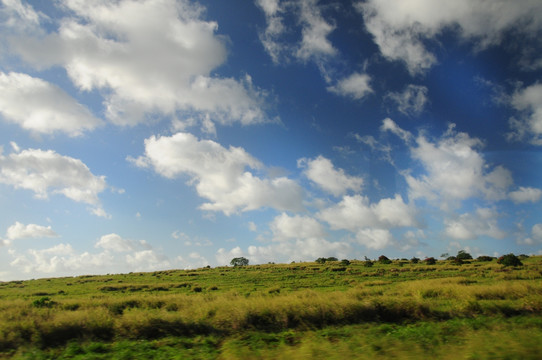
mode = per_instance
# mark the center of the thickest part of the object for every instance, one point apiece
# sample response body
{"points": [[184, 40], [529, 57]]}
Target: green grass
{"points": [[478, 310]]}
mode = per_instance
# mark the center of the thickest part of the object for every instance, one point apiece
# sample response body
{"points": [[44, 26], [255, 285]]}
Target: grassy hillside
{"points": [[477, 310]]}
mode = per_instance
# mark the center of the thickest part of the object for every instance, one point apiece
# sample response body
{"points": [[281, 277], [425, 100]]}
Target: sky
{"points": [[142, 135]]}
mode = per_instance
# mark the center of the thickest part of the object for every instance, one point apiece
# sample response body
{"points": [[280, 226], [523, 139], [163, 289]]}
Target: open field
{"points": [[477, 310]]}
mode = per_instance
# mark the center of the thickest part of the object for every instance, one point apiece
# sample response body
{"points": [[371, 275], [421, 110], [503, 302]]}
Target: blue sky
{"points": [[158, 134]]}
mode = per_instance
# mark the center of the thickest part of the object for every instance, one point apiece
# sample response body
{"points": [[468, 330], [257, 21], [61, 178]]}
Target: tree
{"points": [[509, 260], [414, 260], [430, 261], [383, 259], [332, 258], [463, 255], [320, 260], [345, 262], [239, 261], [484, 258]]}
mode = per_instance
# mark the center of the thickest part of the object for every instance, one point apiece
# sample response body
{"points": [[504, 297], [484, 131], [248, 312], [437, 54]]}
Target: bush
{"points": [[463, 255], [332, 258], [430, 261], [509, 260], [239, 261], [43, 302], [414, 260], [368, 263], [382, 259], [345, 262], [320, 260], [485, 258]]}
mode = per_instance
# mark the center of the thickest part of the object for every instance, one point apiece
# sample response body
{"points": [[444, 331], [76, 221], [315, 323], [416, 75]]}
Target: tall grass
{"points": [[262, 300]]}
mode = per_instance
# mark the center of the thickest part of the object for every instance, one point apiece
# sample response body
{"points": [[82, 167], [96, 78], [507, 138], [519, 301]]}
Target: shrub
{"points": [[332, 258], [463, 255], [239, 261], [345, 262], [430, 261], [382, 259], [43, 302], [414, 260], [320, 260], [509, 260], [485, 258], [368, 263], [197, 289]]}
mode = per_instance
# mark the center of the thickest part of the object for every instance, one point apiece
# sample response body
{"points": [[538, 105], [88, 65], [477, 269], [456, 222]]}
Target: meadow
{"points": [[331, 310]]}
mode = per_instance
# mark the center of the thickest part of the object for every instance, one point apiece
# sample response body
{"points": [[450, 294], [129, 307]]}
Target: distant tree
{"points": [[523, 256], [320, 260], [485, 258], [444, 255], [345, 262], [332, 258], [430, 261], [463, 255], [239, 261], [368, 263], [509, 260], [414, 260], [382, 259]]}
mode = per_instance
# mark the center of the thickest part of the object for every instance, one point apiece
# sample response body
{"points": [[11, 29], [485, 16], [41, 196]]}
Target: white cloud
{"points": [[30, 231], [356, 86], [355, 212], [41, 107], [116, 243], [314, 44], [536, 232], [400, 28], [117, 255], [322, 172], [470, 226], [454, 169], [219, 174], [307, 249], [45, 172], [275, 28], [145, 57], [525, 194], [528, 102], [411, 101], [390, 125], [374, 238], [286, 227]]}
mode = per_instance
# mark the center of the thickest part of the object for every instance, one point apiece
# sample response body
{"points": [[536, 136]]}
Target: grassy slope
{"points": [[478, 310]]}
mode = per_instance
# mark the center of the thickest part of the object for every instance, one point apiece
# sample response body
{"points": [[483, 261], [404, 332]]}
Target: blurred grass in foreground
{"points": [[478, 310]]}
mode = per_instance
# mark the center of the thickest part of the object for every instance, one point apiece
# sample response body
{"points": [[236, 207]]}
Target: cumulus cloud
{"points": [[314, 44], [322, 172], [116, 243], [355, 212], [46, 172], [411, 101], [356, 86], [144, 57], [528, 126], [41, 107], [469, 226], [525, 194], [30, 231], [117, 255], [400, 29], [286, 227], [286, 251], [219, 174]]}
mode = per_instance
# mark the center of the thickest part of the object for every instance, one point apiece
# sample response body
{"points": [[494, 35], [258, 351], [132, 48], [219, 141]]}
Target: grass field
{"points": [[477, 310]]}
